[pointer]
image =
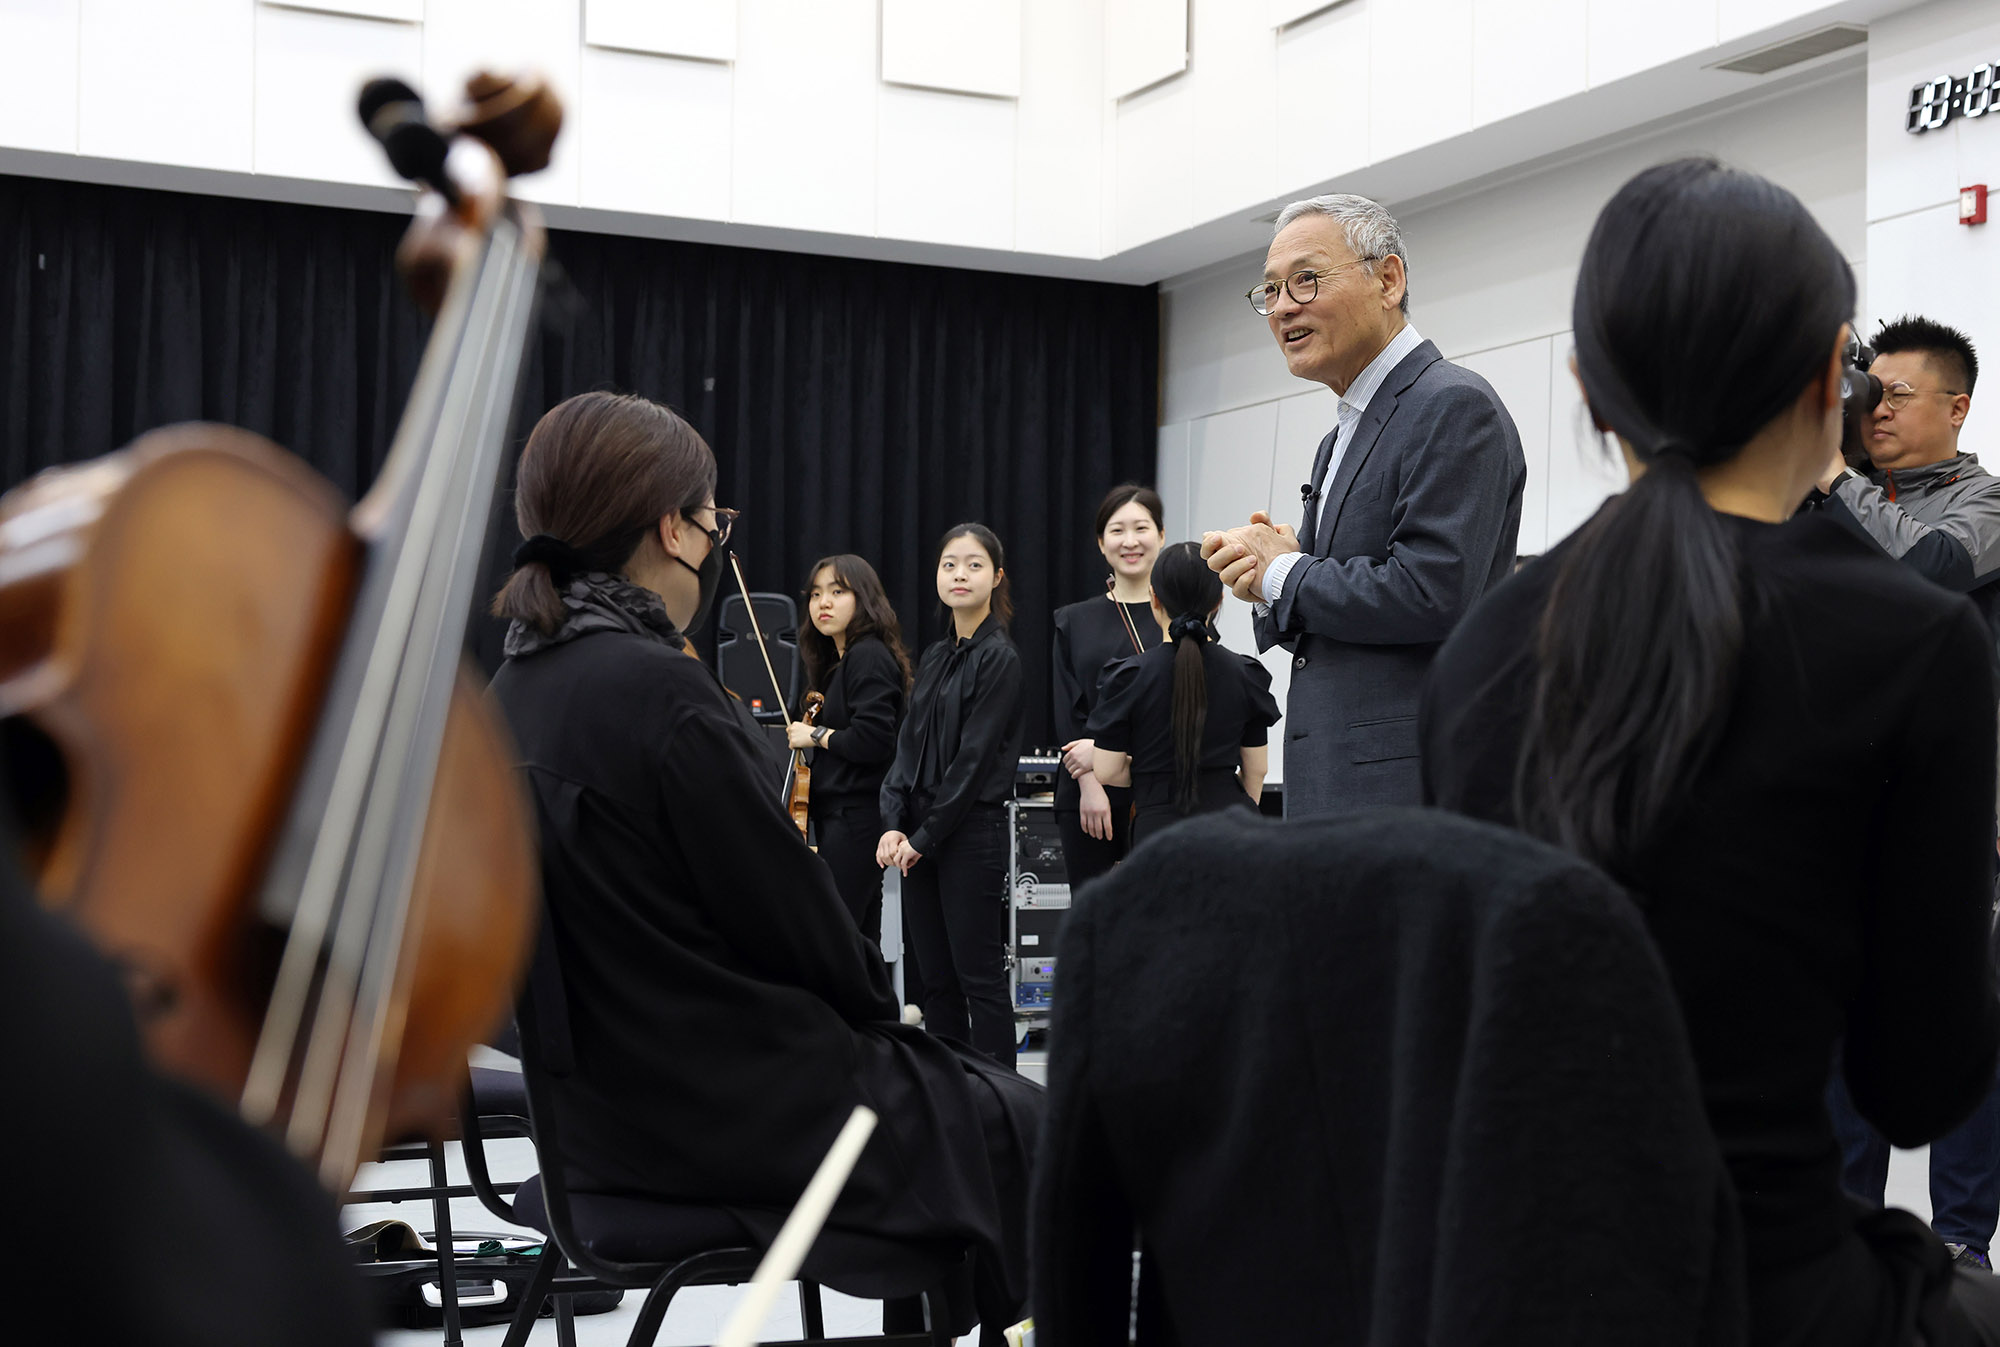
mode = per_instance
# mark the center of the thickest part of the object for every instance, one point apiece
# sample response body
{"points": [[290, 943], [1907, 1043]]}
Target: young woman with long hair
{"points": [[1186, 724], [1093, 816], [728, 1014], [854, 657], [1779, 739], [944, 802]]}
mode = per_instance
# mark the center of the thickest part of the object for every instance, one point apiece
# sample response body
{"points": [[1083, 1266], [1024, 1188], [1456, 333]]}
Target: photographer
{"points": [[1925, 503], [1938, 511]]}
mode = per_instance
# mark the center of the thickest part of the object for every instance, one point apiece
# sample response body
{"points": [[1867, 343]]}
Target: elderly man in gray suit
{"points": [[1412, 513]]}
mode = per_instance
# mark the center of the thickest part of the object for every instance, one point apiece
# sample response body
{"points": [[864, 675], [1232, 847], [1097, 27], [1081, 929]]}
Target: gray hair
{"points": [[1372, 233]]}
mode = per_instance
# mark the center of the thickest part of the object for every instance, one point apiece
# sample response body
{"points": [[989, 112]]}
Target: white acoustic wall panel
{"points": [[1235, 85], [1283, 12], [652, 135], [1229, 464], [1520, 374], [804, 123], [946, 168], [462, 37], [1152, 172], [1323, 95], [1526, 53], [1216, 351], [702, 29], [1913, 172], [1303, 421], [1170, 479], [310, 67], [966, 46], [1584, 466], [1059, 130], [166, 84], [1145, 41], [38, 59], [1421, 57], [406, 11], [1626, 38]]}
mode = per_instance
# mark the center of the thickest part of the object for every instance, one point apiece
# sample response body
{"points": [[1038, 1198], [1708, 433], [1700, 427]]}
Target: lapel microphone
{"points": [[1307, 495]]}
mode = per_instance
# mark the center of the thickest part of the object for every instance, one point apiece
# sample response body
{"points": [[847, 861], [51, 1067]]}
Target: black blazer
{"points": [[1433, 1089], [1420, 520]]}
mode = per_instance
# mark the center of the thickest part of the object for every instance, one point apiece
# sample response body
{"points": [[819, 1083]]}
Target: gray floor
{"points": [[697, 1314]]}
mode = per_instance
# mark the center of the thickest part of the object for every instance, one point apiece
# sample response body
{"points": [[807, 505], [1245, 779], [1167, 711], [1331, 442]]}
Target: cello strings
{"points": [[319, 891], [389, 728], [375, 1030]]}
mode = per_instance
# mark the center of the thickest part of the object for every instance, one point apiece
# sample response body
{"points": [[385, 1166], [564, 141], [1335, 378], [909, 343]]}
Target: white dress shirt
{"points": [[1352, 404]]}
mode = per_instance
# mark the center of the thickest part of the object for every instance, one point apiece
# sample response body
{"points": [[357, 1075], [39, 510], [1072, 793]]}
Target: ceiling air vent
{"points": [[1821, 42]]}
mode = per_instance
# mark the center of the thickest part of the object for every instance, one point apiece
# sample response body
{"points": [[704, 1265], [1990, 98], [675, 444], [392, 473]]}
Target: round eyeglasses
{"points": [[1303, 286], [1896, 396]]}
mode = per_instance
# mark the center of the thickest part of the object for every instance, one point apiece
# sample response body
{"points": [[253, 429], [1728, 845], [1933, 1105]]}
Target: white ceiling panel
{"points": [[961, 46], [1145, 41], [702, 29]]}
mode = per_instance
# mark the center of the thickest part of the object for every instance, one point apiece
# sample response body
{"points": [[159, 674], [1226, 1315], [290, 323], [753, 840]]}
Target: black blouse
{"points": [[1828, 877], [1089, 636], [1135, 714], [961, 743], [864, 706]]}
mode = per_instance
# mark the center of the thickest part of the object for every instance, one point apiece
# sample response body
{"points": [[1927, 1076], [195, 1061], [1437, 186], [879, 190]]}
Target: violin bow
{"points": [[743, 588]]}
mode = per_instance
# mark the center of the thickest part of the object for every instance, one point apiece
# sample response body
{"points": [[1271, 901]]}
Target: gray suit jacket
{"points": [[1420, 521]]}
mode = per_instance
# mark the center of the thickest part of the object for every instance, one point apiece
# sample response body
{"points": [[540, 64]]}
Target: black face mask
{"points": [[708, 576]]}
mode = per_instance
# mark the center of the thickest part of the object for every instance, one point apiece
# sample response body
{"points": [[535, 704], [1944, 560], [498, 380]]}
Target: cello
{"points": [[276, 797]]}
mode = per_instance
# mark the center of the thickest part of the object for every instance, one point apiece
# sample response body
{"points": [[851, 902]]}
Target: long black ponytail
{"points": [[1708, 300], [1189, 592]]}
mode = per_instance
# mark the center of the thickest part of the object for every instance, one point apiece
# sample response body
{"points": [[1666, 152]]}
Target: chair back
{"points": [[1417, 1078]]}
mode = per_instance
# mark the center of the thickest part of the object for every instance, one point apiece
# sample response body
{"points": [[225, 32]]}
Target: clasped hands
{"points": [[895, 849], [1242, 555]]}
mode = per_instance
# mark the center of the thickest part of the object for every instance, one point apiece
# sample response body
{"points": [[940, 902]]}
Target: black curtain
{"points": [[853, 406]]}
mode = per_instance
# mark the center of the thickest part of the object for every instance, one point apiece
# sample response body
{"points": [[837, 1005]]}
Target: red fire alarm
{"points": [[1972, 204]]}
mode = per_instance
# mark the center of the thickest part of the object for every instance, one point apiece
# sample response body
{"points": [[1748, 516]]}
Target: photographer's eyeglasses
{"points": [[1897, 395], [1302, 285]]}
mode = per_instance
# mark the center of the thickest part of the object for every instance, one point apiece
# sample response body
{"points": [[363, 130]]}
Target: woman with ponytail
{"points": [[1186, 724], [1779, 739], [728, 1014]]}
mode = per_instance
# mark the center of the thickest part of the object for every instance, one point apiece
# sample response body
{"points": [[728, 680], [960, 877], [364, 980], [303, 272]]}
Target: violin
{"points": [[800, 803], [276, 797]]}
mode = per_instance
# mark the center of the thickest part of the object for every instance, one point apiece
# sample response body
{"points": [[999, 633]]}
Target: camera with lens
{"points": [[1860, 391]]}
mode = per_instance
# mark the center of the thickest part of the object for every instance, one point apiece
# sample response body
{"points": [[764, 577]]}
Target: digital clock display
{"points": [[1936, 102]]}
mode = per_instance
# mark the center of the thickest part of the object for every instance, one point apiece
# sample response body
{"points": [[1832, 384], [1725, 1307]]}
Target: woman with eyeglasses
{"points": [[1780, 740], [1094, 817], [852, 644], [944, 802], [728, 1014], [1185, 726]]}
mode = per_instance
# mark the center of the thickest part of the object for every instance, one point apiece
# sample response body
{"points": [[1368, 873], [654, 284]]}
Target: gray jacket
{"points": [[1420, 521], [1943, 519]]}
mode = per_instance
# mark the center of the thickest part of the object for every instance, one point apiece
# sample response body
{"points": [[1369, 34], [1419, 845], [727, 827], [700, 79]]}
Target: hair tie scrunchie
{"points": [[561, 559], [1188, 624]]}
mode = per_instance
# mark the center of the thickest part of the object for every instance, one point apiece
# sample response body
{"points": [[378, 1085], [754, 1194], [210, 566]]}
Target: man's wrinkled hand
{"points": [[1240, 556]]}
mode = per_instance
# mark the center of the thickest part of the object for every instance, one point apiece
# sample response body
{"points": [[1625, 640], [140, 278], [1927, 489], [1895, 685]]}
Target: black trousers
{"points": [[1086, 857], [955, 919], [846, 831]]}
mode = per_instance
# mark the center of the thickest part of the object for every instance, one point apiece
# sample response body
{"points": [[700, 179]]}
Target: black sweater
{"points": [[961, 743], [1089, 637], [1827, 878], [1387, 1116], [864, 708], [727, 1012]]}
